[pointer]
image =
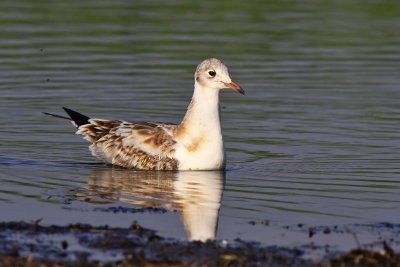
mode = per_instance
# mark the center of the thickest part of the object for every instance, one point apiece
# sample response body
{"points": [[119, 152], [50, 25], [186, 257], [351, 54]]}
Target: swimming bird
{"points": [[194, 144]]}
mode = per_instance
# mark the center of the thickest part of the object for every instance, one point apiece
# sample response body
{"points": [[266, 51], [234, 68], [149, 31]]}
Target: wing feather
{"points": [[140, 145]]}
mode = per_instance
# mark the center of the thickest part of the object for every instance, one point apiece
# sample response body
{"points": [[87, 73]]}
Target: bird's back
{"points": [[141, 145]]}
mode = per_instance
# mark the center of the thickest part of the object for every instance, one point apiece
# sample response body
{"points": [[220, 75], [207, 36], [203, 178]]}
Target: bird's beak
{"points": [[234, 86]]}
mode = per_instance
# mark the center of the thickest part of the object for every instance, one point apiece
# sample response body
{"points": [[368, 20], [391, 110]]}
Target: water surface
{"points": [[315, 141]]}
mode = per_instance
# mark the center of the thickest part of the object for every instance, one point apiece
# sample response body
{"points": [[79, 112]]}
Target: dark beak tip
{"points": [[240, 91], [235, 87]]}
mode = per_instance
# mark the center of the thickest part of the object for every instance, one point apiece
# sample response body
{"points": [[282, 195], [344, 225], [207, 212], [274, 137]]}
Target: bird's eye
{"points": [[212, 73]]}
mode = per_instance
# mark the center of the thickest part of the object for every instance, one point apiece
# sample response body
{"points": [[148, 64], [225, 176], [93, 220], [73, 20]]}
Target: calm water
{"points": [[316, 139]]}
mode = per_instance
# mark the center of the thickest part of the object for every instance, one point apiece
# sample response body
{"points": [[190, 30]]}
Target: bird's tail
{"points": [[77, 118]]}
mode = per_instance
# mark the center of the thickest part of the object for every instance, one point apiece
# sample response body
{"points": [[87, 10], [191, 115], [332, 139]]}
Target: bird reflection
{"points": [[196, 195]]}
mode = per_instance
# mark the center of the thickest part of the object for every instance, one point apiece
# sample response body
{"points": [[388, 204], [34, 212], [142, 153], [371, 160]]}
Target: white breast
{"points": [[209, 156]]}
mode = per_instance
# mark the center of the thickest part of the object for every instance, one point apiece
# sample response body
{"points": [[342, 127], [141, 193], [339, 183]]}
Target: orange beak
{"points": [[234, 86]]}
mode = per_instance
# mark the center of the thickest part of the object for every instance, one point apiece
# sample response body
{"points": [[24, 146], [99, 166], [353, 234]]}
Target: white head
{"points": [[212, 74]]}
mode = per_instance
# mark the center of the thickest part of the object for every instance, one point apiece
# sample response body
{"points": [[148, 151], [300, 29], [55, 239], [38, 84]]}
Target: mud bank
{"points": [[31, 244]]}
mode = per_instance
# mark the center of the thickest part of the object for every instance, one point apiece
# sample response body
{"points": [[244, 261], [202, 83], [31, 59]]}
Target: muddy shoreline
{"points": [[33, 244]]}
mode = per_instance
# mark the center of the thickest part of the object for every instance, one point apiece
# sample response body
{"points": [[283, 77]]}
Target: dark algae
{"points": [[31, 244], [360, 257]]}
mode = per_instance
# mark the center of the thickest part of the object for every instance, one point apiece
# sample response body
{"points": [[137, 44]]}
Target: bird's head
{"points": [[212, 74]]}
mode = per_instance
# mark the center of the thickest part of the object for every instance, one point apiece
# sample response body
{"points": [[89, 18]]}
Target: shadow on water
{"points": [[196, 195]]}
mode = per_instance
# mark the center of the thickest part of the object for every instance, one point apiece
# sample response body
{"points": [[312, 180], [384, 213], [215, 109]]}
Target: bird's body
{"points": [[194, 144]]}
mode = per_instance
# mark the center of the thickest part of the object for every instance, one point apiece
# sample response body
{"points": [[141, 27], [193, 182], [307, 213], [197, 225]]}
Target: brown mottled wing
{"points": [[97, 128], [142, 145]]}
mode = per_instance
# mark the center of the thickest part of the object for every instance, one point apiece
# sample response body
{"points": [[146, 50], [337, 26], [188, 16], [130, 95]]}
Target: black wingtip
{"points": [[77, 117], [56, 115]]}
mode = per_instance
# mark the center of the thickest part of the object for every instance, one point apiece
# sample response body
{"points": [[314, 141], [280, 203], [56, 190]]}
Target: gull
{"points": [[194, 144]]}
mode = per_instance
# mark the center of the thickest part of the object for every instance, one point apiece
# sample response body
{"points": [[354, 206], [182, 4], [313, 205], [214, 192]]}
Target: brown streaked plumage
{"points": [[140, 145], [195, 144]]}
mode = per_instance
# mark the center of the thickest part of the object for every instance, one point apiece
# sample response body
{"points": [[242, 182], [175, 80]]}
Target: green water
{"points": [[314, 141]]}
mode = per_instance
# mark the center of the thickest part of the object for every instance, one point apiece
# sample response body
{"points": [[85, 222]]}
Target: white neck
{"points": [[200, 144], [202, 115]]}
